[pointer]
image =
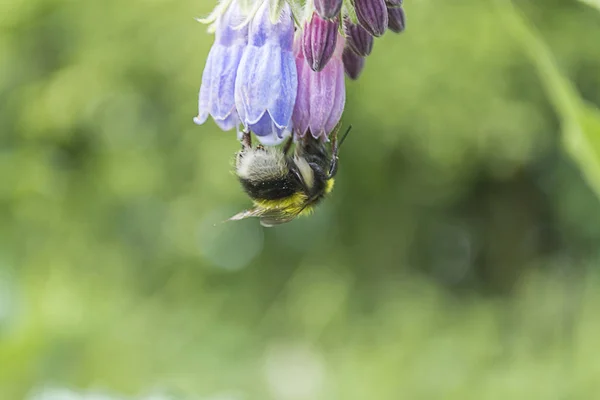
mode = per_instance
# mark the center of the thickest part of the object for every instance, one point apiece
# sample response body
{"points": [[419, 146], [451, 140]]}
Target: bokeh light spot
{"points": [[229, 245]]}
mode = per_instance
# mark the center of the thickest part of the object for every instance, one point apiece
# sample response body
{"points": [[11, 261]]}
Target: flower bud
{"points": [[396, 19], [357, 38], [318, 41], [328, 8], [353, 63], [372, 15]]}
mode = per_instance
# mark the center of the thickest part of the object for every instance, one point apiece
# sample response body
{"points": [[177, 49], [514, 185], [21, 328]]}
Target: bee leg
{"points": [[287, 145], [246, 140], [334, 155], [335, 147]]}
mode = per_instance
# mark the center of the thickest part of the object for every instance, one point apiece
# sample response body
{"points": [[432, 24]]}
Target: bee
{"points": [[283, 184]]}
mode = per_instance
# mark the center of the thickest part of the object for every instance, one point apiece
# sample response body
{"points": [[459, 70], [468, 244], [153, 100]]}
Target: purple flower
{"points": [[216, 96], [318, 41], [266, 82], [353, 63], [396, 19], [372, 15], [321, 95], [358, 39], [328, 8]]}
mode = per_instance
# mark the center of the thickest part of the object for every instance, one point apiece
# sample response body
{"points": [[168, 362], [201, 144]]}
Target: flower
{"points": [[252, 72], [216, 97], [372, 15], [266, 82], [358, 39], [328, 8], [353, 63], [321, 95], [318, 41]]}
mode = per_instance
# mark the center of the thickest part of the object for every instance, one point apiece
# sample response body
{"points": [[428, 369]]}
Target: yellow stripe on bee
{"points": [[329, 185], [295, 200], [291, 205], [294, 204]]}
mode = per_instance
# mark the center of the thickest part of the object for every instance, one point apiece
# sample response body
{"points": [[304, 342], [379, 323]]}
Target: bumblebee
{"points": [[283, 184]]}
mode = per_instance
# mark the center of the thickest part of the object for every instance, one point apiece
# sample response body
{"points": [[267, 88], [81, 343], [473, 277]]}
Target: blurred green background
{"points": [[456, 259]]}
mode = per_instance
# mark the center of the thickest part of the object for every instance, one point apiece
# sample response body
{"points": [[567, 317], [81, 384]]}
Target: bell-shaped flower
{"points": [[321, 95], [217, 90], [266, 82]]}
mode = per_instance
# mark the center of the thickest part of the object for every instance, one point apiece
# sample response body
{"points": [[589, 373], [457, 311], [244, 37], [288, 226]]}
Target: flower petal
{"points": [[267, 132], [339, 95], [266, 80], [282, 105], [321, 99], [301, 114], [228, 123], [204, 97], [217, 91], [259, 70], [263, 30], [223, 81]]}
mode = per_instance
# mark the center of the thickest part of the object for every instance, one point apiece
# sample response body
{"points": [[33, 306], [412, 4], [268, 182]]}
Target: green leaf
{"points": [[592, 3], [216, 13], [275, 8], [580, 120], [349, 7], [297, 13]]}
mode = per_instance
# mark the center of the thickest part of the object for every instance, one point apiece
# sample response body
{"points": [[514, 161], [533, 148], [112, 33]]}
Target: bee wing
{"points": [[253, 212], [276, 217], [268, 217]]}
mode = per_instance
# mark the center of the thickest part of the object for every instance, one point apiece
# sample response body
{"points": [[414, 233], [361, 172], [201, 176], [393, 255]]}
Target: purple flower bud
{"points": [[216, 96], [353, 63], [396, 19], [318, 41], [357, 38], [321, 95], [393, 3], [372, 15], [328, 8], [267, 82]]}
